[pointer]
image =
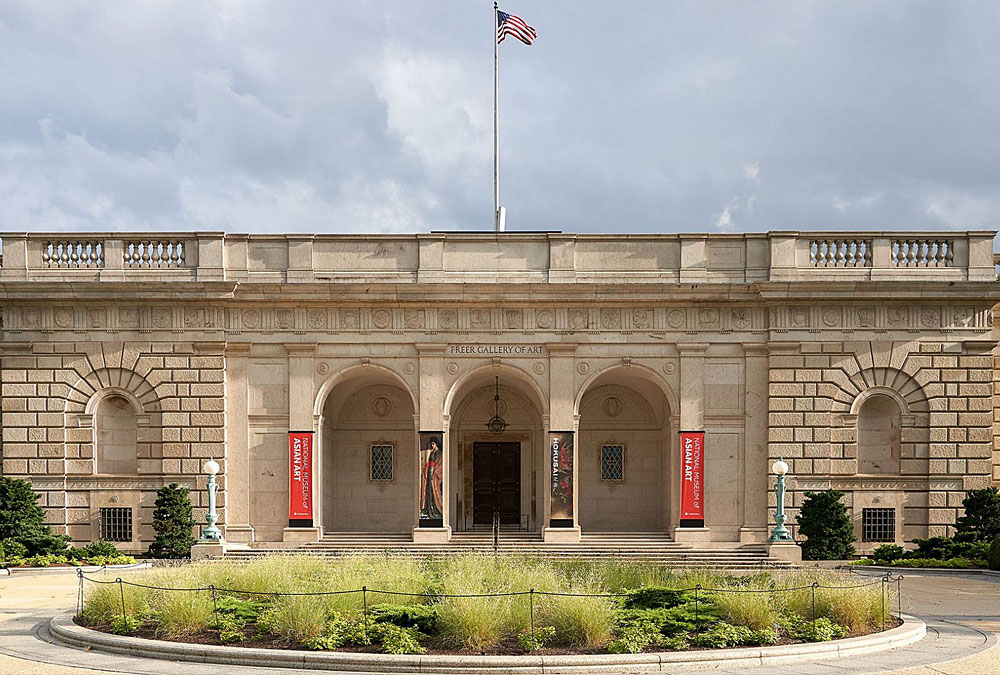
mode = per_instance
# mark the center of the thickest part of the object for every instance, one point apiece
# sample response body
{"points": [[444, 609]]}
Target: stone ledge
{"points": [[943, 571], [64, 630]]}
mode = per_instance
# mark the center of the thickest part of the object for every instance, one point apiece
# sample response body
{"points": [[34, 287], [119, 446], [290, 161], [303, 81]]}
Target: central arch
{"points": [[496, 472]]}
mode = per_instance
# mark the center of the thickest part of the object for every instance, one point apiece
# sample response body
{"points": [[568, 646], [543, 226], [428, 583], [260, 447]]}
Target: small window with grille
{"points": [[878, 525], [612, 462], [381, 462], [116, 523]]}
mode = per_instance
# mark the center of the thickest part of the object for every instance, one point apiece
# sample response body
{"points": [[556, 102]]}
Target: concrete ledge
{"points": [[8, 571], [64, 630], [944, 571]]}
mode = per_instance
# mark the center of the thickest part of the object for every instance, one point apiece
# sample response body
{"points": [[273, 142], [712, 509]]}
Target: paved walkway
{"points": [[962, 615]]}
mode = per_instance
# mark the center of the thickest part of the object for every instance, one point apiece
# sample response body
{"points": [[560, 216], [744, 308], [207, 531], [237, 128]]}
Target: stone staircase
{"points": [[651, 547]]}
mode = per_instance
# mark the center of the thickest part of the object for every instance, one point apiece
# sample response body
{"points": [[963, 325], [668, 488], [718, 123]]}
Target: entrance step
{"points": [[648, 547]]}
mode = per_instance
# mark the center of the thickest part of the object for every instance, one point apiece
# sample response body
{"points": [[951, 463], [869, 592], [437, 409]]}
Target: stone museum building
{"points": [[564, 384]]}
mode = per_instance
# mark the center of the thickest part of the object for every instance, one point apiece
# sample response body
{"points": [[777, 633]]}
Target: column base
{"points": [[432, 535], [208, 549], [785, 550], [301, 534], [561, 535], [242, 534], [753, 535], [692, 535]]}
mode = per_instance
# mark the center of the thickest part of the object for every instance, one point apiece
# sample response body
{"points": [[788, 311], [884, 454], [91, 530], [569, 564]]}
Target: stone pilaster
{"points": [[301, 392], [692, 417], [432, 393], [562, 417], [237, 467], [755, 455]]}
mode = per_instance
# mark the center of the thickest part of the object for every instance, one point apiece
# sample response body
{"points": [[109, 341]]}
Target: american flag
{"points": [[508, 24]]}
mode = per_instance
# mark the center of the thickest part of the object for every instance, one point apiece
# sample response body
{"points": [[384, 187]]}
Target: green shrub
{"points": [[45, 560], [634, 638], [862, 562], [654, 597], [940, 548], [392, 639], [230, 628], [533, 641], [246, 610], [395, 639], [887, 553], [824, 521], [421, 617], [822, 630], [12, 548], [993, 556], [172, 522], [101, 547], [125, 625], [959, 562], [981, 520], [23, 520], [722, 635]]}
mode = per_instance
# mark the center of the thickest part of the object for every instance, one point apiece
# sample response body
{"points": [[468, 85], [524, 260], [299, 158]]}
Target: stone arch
{"points": [[360, 371], [363, 413], [625, 425], [892, 382], [634, 370], [513, 460], [89, 396]]}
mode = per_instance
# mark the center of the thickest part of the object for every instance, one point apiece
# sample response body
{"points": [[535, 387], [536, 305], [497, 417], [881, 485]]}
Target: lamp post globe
{"points": [[780, 467], [211, 467]]}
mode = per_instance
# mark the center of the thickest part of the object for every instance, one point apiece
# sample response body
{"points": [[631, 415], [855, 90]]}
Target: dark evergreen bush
{"points": [[23, 520], [981, 521], [887, 553], [993, 556], [823, 519], [172, 522]]}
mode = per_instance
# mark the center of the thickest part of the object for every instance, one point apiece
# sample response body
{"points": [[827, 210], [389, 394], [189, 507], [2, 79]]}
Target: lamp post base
{"points": [[208, 549], [785, 550]]}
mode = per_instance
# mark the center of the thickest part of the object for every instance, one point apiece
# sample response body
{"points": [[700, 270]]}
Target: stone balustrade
{"points": [[513, 257]]}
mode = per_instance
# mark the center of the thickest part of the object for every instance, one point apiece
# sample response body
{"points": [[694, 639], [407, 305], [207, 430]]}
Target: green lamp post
{"points": [[211, 533], [780, 532]]}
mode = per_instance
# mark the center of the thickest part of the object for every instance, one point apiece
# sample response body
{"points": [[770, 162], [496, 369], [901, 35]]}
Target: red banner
{"points": [[692, 475], [300, 453]]}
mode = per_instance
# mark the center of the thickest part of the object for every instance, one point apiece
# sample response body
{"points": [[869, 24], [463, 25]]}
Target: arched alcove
{"points": [[879, 427]]}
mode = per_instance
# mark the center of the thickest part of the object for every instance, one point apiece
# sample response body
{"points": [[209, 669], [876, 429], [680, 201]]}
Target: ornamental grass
{"points": [[476, 602]]}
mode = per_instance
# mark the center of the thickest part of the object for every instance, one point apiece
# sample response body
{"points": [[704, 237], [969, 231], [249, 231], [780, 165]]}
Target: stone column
{"points": [[562, 417], [237, 468], [431, 391], [692, 418], [301, 394], [755, 454]]}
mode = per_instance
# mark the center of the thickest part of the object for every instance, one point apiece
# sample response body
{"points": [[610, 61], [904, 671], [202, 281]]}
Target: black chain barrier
{"points": [[884, 581]]}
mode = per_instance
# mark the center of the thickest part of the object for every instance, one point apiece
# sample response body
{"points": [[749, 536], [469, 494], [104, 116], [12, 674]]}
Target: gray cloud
{"points": [[377, 116]]}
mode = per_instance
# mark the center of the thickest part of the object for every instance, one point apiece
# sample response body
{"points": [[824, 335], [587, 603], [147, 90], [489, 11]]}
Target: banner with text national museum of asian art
{"points": [[300, 467], [692, 479]]}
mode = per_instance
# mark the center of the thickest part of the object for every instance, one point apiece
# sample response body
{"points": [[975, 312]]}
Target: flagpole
{"points": [[496, 125]]}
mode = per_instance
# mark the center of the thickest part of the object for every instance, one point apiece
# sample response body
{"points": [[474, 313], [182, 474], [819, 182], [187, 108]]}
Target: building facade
{"points": [[345, 383]]}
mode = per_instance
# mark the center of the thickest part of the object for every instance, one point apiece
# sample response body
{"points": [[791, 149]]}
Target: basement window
{"points": [[116, 523], [878, 525]]}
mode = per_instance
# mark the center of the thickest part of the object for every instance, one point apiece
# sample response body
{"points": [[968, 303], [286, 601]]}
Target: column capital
{"points": [[430, 348], [692, 348], [214, 347], [562, 348], [755, 348], [237, 348], [301, 348]]}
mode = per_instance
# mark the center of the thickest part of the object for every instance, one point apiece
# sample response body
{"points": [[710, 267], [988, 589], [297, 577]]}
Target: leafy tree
{"points": [[173, 522], [23, 520], [823, 519], [981, 521]]}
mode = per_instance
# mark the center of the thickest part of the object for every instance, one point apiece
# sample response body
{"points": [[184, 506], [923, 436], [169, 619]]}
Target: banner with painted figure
{"points": [[300, 462], [431, 479], [561, 478], [692, 478]]}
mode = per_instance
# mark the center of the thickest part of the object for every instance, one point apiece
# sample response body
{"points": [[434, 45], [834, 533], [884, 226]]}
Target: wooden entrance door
{"points": [[496, 483]]}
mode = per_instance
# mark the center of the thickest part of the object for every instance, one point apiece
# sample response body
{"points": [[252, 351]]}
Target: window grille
{"points": [[116, 523], [381, 464], [612, 462], [878, 525]]}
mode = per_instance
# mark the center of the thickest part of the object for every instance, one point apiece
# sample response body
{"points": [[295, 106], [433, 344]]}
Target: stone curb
{"points": [[944, 571], [64, 630], [10, 571]]}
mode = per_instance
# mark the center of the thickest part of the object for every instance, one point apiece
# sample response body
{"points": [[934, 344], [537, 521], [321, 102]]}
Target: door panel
{"points": [[496, 482]]}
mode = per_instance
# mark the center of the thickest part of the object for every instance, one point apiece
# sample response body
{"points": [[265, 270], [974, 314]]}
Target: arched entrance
{"points": [[623, 451], [368, 455], [500, 473]]}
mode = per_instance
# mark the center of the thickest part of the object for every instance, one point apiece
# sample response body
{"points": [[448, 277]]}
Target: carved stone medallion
{"points": [[479, 318], [97, 317], [63, 317], [381, 406], [578, 319], [612, 406], [448, 318], [413, 319], [740, 319], [317, 319], [930, 317], [897, 316], [831, 317], [611, 319], [381, 318], [642, 318], [708, 318], [251, 318], [676, 318], [544, 318], [128, 317], [284, 318]]}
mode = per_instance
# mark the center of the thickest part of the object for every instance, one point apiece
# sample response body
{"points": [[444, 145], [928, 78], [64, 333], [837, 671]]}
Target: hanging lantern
{"points": [[497, 424]]}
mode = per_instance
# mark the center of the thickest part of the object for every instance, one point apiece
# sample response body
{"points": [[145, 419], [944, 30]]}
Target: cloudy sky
{"points": [[642, 115]]}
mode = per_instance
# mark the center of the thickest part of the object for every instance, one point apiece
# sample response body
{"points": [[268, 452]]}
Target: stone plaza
{"points": [[344, 382]]}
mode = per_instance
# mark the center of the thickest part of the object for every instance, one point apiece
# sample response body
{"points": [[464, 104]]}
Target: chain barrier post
{"points": [[79, 592], [364, 607], [215, 611], [899, 597], [697, 609], [531, 610], [814, 585], [121, 589], [885, 580]]}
